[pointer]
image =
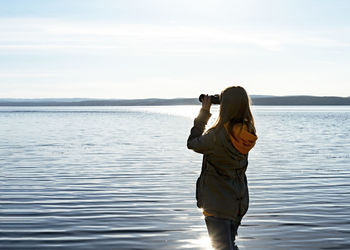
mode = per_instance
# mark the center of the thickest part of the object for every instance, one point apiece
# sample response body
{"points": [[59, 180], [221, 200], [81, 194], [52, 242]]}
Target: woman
{"points": [[221, 189]]}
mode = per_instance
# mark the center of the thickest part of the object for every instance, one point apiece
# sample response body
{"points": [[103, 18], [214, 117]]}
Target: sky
{"points": [[173, 48]]}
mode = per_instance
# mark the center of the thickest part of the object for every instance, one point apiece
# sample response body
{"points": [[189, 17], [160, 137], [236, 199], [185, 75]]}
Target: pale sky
{"points": [[178, 48]]}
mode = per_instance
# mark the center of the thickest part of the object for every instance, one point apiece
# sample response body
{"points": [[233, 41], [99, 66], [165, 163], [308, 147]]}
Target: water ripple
{"points": [[122, 178]]}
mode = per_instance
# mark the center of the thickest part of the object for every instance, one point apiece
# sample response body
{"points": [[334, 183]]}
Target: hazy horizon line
{"points": [[165, 98]]}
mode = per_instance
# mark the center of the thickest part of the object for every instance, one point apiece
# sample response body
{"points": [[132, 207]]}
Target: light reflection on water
{"points": [[122, 178], [200, 243]]}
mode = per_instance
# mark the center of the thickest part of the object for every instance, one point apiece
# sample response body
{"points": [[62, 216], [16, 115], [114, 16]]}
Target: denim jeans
{"points": [[222, 232]]}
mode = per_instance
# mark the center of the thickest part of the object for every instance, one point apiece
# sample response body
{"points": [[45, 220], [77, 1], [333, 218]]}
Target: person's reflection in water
{"points": [[222, 188]]}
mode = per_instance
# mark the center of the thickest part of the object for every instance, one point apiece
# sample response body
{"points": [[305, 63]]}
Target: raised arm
{"points": [[197, 141]]}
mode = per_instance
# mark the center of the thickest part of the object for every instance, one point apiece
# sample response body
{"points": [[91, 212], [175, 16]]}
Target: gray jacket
{"points": [[221, 188]]}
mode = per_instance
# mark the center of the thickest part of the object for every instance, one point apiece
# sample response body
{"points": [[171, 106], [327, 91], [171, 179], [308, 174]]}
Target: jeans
{"points": [[222, 232]]}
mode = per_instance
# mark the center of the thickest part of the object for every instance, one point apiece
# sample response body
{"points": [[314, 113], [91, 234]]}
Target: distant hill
{"points": [[99, 102], [301, 100], [256, 99]]}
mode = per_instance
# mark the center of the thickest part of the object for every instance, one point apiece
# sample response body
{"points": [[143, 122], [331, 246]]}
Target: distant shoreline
{"points": [[256, 100]]}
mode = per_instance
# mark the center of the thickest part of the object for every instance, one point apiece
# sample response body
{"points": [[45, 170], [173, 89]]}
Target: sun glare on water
{"points": [[202, 243], [188, 111]]}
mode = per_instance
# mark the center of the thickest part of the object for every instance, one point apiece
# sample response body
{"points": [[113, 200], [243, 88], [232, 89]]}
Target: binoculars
{"points": [[214, 99]]}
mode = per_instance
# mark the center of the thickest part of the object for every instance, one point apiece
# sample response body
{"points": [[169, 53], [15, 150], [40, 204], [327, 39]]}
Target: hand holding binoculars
{"points": [[214, 99]]}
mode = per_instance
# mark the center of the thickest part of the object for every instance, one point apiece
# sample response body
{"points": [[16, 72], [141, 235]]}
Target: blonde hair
{"points": [[235, 108]]}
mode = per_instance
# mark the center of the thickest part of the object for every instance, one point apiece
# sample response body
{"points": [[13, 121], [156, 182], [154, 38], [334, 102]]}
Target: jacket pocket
{"points": [[199, 189]]}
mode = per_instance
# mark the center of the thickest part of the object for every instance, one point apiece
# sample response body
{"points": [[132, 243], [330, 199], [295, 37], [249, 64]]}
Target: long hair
{"points": [[234, 108]]}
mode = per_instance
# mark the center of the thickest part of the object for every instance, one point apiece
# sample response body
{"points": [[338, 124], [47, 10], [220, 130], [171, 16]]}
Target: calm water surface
{"points": [[122, 178]]}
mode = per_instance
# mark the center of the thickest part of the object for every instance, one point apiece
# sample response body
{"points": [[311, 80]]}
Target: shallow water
{"points": [[122, 178]]}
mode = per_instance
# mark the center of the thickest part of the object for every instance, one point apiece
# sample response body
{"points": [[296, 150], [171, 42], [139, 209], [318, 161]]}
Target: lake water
{"points": [[122, 178]]}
